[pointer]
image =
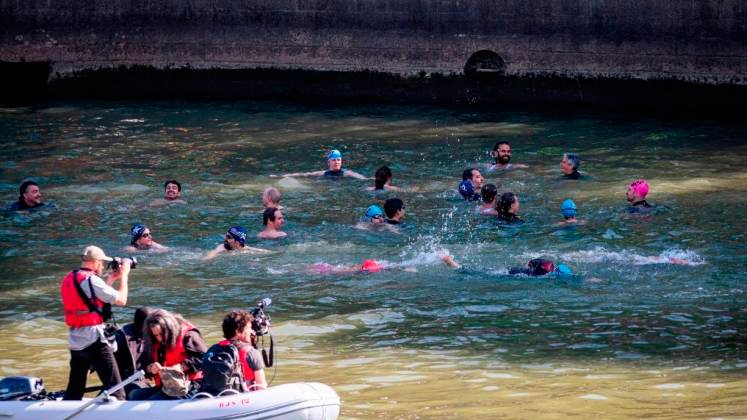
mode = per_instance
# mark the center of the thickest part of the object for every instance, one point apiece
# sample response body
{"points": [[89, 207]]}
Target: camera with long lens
{"points": [[115, 263], [261, 324]]}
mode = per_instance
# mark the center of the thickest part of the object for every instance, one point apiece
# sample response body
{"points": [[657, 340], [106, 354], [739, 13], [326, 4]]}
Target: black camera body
{"points": [[261, 324], [114, 263]]}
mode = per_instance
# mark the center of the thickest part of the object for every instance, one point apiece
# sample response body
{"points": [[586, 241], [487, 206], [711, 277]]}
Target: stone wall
{"points": [[701, 41]]}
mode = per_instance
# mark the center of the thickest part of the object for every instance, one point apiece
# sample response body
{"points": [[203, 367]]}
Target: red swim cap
{"points": [[371, 266]]}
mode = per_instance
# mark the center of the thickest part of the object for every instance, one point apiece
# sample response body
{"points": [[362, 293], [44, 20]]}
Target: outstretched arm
{"points": [[315, 173], [353, 174], [214, 253]]}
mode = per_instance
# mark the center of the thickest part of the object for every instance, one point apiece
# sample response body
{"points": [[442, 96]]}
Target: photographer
{"points": [[87, 301]]}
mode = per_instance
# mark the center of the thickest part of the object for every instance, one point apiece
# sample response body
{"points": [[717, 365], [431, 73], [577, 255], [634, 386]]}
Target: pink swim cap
{"points": [[371, 266], [640, 187]]}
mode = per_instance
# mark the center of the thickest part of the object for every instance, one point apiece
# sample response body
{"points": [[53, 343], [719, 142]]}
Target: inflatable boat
{"points": [[302, 401]]}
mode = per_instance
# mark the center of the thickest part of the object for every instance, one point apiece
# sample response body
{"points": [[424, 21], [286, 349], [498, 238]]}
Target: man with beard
{"points": [[233, 241], [502, 155], [30, 197], [172, 194]]}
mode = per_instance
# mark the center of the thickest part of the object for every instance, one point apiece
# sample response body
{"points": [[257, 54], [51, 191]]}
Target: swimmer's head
{"points": [[394, 208], [374, 214], [334, 160], [137, 232], [466, 189], [638, 190], [502, 152], [488, 193], [382, 177], [172, 190], [473, 175], [568, 209], [540, 266], [237, 234], [570, 163], [271, 197], [508, 204], [371, 266]]}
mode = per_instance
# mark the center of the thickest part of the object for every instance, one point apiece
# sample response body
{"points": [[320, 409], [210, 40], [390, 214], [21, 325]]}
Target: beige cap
{"points": [[94, 253]]}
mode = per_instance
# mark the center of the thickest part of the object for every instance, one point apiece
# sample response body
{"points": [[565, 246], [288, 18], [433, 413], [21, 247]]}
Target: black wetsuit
{"points": [[640, 207], [510, 218], [329, 173], [573, 175], [393, 222], [21, 205]]}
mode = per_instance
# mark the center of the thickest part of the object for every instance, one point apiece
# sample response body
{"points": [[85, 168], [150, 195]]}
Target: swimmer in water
{"points": [[394, 209], [636, 195], [373, 266], [568, 210], [273, 221], [271, 198], [383, 181], [489, 195], [372, 219], [540, 267], [142, 240], [569, 166], [471, 183], [172, 194], [334, 162], [235, 240], [508, 208], [502, 155], [29, 197]]}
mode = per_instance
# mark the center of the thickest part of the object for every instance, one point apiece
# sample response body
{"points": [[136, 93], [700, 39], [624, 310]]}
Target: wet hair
{"points": [[139, 319], [268, 214], [488, 193], [504, 204], [383, 175], [392, 206], [170, 324], [25, 186], [171, 181], [574, 159], [273, 195], [236, 321], [467, 174], [497, 145]]}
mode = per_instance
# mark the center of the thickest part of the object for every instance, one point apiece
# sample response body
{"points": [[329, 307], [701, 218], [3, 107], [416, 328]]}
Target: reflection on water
{"points": [[628, 334]]}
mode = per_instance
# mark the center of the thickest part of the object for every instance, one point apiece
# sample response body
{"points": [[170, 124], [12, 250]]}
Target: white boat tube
{"points": [[296, 401]]}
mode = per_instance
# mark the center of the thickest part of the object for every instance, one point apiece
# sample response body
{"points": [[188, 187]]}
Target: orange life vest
{"points": [[175, 355], [244, 349], [77, 312]]}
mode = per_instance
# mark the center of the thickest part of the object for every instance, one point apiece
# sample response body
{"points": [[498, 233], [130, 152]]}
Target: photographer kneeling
{"points": [[87, 301]]}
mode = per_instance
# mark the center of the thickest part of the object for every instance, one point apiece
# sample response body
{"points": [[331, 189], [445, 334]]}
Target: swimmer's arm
{"points": [[315, 173], [353, 174], [130, 249], [519, 165], [214, 253], [158, 247], [449, 260], [257, 250]]}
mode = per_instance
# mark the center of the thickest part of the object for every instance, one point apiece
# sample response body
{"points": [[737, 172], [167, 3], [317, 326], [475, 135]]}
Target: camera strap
{"points": [[105, 313], [269, 358]]}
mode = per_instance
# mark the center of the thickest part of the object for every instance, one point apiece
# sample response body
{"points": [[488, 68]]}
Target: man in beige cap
{"points": [[87, 301]]}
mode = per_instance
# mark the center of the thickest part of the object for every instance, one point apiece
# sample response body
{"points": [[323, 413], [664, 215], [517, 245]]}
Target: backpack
{"points": [[221, 369]]}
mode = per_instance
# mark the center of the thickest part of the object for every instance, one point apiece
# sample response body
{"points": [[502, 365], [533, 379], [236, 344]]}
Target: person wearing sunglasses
{"points": [[142, 240], [234, 240]]}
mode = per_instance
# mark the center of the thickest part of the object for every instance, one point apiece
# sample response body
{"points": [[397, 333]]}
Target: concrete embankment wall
{"points": [[702, 42]]}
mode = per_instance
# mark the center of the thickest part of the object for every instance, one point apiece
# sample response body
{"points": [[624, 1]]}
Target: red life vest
{"points": [[244, 349], [77, 313], [175, 355]]}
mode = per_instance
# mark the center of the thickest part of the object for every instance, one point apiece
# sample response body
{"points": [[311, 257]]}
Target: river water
{"points": [[629, 335]]}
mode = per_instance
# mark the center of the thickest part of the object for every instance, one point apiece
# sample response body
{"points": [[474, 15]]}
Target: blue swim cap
{"points": [[373, 211], [334, 154], [568, 209], [468, 191], [563, 270], [137, 231], [238, 233]]}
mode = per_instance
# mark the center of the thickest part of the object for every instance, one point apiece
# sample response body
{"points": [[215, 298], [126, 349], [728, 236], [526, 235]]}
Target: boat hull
{"points": [[302, 401]]}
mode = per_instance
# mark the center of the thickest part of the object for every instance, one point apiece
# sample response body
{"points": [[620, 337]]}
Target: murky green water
{"points": [[625, 337]]}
